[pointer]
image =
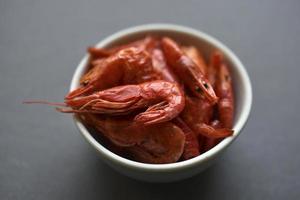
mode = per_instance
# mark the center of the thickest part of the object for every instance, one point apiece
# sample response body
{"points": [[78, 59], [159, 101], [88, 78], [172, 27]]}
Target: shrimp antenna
{"points": [[45, 102]]}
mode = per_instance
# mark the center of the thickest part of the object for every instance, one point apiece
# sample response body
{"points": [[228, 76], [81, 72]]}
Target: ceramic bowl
{"points": [[180, 170]]}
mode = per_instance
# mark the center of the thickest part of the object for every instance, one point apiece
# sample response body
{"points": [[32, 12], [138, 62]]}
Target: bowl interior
{"points": [[206, 44]]}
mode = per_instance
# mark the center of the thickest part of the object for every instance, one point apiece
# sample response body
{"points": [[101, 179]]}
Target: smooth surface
{"points": [[207, 45], [42, 155]]}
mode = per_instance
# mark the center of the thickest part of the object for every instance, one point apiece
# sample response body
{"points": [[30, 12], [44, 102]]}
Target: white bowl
{"points": [[188, 168]]}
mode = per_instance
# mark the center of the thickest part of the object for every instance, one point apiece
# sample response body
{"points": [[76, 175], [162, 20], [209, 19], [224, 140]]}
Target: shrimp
{"points": [[197, 57], [127, 66], [188, 71], [211, 132], [93, 72], [215, 61], [211, 142], [160, 65], [143, 44], [96, 123], [120, 131], [225, 92], [97, 55], [197, 110], [191, 146], [159, 143], [163, 100], [163, 143]]}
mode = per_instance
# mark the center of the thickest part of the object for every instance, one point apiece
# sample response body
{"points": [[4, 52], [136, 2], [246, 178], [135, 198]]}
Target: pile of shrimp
{"points": [[155, 101]]}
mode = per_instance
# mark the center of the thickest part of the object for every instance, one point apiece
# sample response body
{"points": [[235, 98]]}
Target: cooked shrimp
{"points": [[225, 93], [127, 66], [188, 71], [197, 57], [159, 143], [163, 100]]}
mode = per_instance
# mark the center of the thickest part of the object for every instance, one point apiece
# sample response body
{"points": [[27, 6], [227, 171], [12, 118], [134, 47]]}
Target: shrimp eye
{"points": [[198, 89], [206, 85], [85, 83]]}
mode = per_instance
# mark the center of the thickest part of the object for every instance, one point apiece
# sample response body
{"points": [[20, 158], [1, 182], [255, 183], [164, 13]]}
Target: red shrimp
{"points": [[191, 146], [143, 44], [120, 131], [225, 93], [159, 143], [197, 57], [197, 110], [160, 65], [215, 61], [163, 100], [127, 66], [163, 143], [211, 142], [188, 71], [93, 72], [225, 107]]}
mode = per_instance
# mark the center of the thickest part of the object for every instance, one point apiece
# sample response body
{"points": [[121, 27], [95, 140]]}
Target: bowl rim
{"points": [[238, 126]]}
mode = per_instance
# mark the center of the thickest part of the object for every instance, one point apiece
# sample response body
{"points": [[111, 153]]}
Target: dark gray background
{"points": [[43, 156]]}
